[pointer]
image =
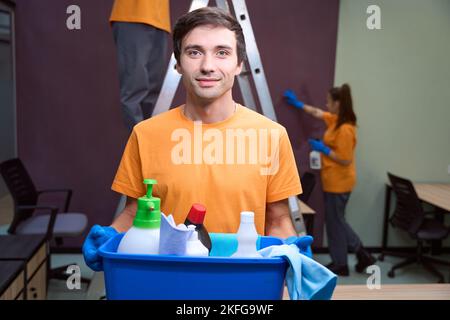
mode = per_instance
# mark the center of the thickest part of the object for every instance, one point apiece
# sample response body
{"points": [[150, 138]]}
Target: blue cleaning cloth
{"points": [[306, 279], [173, 238]]}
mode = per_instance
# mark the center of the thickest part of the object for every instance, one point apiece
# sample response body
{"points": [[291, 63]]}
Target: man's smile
{"points": [[207, 82]]}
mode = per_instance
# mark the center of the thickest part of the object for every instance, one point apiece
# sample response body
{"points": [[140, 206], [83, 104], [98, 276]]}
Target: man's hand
{"points": [[95, 239], [303, 244]]}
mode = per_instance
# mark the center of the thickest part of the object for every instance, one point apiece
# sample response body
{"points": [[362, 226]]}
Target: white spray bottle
{"points": [[143, 236]]}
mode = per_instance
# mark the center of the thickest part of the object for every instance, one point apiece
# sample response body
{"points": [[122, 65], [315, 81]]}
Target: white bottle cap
{"points": [[247, 217]]}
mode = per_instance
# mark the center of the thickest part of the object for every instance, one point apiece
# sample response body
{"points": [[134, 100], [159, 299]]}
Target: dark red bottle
{"points": [[196, 217]]}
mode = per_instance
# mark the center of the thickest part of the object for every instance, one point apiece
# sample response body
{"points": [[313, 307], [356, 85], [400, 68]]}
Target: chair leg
{"points": [[438, 261], [393, 254], [428, 266], [404, 263]]}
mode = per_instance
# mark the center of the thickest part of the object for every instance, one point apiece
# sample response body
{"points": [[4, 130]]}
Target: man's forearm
{"points": [[124, 221], [281, 228], [278, 220]]}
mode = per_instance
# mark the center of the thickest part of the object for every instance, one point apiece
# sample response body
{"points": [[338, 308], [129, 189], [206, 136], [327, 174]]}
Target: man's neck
{"points": [[209, 111]]}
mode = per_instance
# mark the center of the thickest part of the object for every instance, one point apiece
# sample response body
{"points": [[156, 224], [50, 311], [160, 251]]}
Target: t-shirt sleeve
{"points": [[128, 179], [283, 180], [329, 118], [345, 142]]}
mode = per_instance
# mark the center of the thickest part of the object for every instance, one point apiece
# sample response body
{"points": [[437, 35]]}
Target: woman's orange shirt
{"points": [[338, 178]]}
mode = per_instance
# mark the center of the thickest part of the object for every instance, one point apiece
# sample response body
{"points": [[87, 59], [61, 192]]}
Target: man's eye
{"points": [[193, 53], [222, 53]]}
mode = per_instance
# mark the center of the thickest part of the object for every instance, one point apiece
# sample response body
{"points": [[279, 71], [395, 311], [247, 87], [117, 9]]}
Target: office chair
{"points": [[410, 217], [55, 225], [308, 181]]}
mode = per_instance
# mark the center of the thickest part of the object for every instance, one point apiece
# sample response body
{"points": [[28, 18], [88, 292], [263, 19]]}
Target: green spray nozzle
{"points": [[149, 183], [148, 214]]}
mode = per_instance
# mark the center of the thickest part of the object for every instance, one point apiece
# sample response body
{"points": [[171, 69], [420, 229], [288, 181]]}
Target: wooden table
{"points": [[12, 280], [304, 208], [436, 194], [308, 216], [32, 252], [435, 291]]}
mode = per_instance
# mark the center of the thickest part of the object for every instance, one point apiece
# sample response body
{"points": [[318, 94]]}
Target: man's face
{"points": [[208, 62]]}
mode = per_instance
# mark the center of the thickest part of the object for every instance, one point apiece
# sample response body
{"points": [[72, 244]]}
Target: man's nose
{"points": [[207, 65]]}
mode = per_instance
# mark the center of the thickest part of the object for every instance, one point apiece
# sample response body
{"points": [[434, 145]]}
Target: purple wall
{"points": [[70, 130]]}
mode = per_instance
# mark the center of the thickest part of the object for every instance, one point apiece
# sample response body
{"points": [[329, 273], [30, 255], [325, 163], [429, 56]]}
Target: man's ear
{"points": [[239, 68], [178, 67]]}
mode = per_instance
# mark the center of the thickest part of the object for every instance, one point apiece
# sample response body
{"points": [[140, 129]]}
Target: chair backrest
{"points": [[21, 187], [408, 214], [308, 182]]}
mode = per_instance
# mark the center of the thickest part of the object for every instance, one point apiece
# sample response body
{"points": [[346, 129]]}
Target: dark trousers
{"points": [[341, 237], [141, 54]]}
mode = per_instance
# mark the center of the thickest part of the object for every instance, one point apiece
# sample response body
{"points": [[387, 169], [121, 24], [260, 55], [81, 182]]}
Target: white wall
{"points": [[400, 77]]}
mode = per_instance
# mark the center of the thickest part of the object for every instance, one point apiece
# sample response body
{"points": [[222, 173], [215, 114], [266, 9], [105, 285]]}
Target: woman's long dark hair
{"points": [[344, 96]]}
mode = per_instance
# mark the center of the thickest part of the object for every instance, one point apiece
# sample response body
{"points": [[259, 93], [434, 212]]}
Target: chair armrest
{"points": [[68, 195], [51, 221]]}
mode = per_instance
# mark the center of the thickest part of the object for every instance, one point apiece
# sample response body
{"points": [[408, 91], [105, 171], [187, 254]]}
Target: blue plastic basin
{"points": [[169, 277]]}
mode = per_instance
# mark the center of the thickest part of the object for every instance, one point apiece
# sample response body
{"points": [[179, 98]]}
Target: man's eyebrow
{"points": [[193, 46], [223, 46], [200, 48]]}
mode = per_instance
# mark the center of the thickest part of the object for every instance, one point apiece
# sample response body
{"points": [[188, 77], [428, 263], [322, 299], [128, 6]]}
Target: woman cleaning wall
{"points": [[338, 175]]}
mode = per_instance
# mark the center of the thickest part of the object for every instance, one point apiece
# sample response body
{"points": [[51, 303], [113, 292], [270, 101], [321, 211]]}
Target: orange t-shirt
{"points": [[196, 163], [153, 12], [337, 178]]}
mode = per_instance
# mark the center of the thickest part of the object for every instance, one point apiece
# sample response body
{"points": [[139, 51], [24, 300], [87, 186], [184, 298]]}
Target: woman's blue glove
{"points": [[291, 98], [95, 239], [318, 145], [303, 243]]}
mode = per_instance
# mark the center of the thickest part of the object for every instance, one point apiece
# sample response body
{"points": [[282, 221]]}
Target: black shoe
{"points": [[339, 270], [330, 265], [365, 259]]}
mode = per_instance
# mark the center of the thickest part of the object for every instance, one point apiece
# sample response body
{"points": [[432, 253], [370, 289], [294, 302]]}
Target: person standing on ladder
{"points": [[225, 176], [140, 29], [338, 175]]}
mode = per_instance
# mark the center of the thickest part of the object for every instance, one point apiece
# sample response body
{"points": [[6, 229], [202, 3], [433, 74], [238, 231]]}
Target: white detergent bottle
{"points": [[194, 247], [247, 237], [315, 160], [143, 236]]}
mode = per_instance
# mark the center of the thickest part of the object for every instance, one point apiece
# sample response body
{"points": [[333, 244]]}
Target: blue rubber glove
{"points": [[318, 145], [95, 239], [303, 243], [291, 98]]}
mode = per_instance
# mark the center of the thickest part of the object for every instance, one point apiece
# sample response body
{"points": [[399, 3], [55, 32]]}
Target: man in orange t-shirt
{"points": [[210, 150], [140, 29]]}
